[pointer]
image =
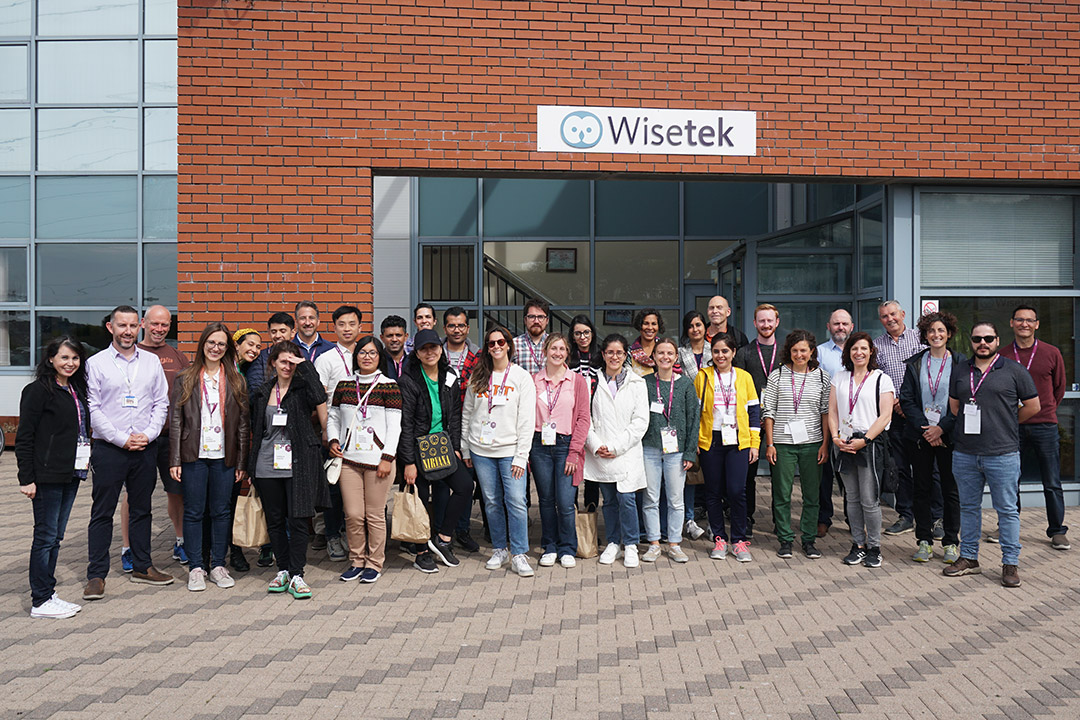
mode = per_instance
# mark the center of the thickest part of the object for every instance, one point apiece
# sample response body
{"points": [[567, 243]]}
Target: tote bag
{"points": [[249, 523]]}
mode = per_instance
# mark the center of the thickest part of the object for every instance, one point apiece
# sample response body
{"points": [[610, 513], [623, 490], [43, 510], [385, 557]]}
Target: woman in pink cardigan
{"points": [[558, 450]]}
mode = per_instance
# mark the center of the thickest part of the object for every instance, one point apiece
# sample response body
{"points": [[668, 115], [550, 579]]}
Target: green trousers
{"points": [[789, 457]]}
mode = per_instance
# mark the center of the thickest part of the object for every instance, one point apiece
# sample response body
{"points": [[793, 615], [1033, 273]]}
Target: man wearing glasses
{"points": [[461, 352], [1039, 433], [529, 346], [984, 394]]}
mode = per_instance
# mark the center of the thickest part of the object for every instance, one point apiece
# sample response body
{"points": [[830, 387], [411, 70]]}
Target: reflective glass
{"points": [[86, 207], [448, 272], [15, 140], [872, 241], [88, 326], [160, 72], [13, 274], [90, 139], [88, 17], [812, 316], [88, 72], [556, 271], [159, 206], [159, 274], [629, 208], [643, 273], [696, 254], [1067, 413], [544, 208], [159, 134], [833, 235], [620, 320], [14, 59], [70, 274], [828, 199], [14, 339], [867, 320], [726, 209], [14, 18], [448, 206], [804, 274], [14, 207], [160, 17]]}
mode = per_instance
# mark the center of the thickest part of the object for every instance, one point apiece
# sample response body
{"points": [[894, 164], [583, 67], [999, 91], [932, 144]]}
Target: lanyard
{"points": [[398, 364], [1016, 352], [671, 394], [212, 407], [461, 359], [308, 350], [123, 370], [277, 393], [78, 409], [552, 401], [362, 404], [971, 377], [729, 400], [343, 360], [538, 361], [854, 399], [762, 358], [491, 387], [935, 385], [796, 398]]}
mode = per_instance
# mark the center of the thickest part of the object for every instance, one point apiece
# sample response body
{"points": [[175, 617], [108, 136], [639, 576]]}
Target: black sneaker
{"points": [[873, 558], [939, 529], [411, 548], [425, 563], [784, 551], [856, 556], [443, 551], [266, 557], [901, 526], [465, 540], [237, 560], [810, 551]]}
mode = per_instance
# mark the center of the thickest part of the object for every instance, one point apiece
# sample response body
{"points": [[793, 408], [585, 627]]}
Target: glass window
{"points": [[726, 209], [696, 254], [872, 241], [1067, 427], [828, 199], [643, 273], [868, 319], [832, 235], [86, 207], [448, 206], [159, 134], [804, 274], [160, 17], [70, 274], [160, 71], [812, 316], [14, 18], [98, 139], [448, 272], [159, 274], [159, 206], [620, 320], [557, 271], [13, 274], [634, 208], [86, 325], [88, 72], [537, 208], [15, 60], [14, 338], [14, 207], [88, 17], [15, 140]]}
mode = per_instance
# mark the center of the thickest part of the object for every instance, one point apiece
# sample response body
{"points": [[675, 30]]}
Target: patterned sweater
{"points": [[383, 419]]}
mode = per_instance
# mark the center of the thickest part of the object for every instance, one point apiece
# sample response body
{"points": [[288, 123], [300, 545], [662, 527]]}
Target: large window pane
{"points": [[804, 274], [808, 316], [872, 241], [516, 271], [160, 17], [726, 209], [1067, 427], [160, 72], [448, 272], [88, 326], [867, 318], [14, 339], [98, 139], [160, 139], [827, 199], [833, 235], [159, 274], [14, 59], [696, 255], [14, 207], [13, 274], [86, 207], [14, 18], [159, 206], [88, 17], [544, 208], [15, 140], [642, 273], [616, 319], [70, 274], [627, 208], [448, 206], [88, 72]]}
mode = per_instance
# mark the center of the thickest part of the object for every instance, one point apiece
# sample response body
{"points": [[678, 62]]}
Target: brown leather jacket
{"points": [[185, 429]]}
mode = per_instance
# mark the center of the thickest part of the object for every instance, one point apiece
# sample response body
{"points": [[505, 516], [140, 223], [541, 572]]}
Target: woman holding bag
{"points": [[364, 424]]}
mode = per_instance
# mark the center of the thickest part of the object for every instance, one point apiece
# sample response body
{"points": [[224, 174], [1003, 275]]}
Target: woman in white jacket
{"points": [[496, 436], [614, 458]]}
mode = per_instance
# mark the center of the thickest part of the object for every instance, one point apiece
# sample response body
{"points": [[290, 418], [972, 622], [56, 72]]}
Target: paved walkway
{"points": [[797, 639]]}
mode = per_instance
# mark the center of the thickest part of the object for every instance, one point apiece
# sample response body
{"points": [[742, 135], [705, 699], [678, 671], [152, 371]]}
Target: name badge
{"points": [[129, 401], [798, 432], [282, 456], [487, 433], [847, 428], [211, 439], [656, 406], [450, 378], [932, 416], [729, 433], [280, 419], [669, 440], [82, 455], [499, 400], [972, 419], [547, 434]]}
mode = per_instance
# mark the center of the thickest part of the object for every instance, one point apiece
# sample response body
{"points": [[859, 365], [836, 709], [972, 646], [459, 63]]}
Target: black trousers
{"points": [[288, 534], [446, 511], [115, 467], [926, 491]]}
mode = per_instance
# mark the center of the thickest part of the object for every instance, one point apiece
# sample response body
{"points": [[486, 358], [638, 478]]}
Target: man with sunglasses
{"points": [[984, 394], [529, 346], [1039, 434]]}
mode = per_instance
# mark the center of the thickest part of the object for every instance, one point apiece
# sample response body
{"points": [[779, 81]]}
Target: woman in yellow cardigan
{"points": [[728, 441]]}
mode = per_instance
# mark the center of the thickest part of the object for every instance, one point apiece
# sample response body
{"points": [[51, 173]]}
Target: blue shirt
{"points": [[829, 355], [315, 349], [940, 400]]}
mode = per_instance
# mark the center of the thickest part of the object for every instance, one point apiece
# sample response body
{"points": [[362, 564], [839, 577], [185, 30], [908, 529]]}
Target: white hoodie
{"points": [[513, 420], [619, 423]]}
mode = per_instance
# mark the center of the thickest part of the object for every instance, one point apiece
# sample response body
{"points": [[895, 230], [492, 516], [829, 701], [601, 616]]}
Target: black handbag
{"points": [[436, 456]]}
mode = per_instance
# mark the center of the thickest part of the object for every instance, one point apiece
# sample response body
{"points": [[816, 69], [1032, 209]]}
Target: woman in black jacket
{"points": [[427, 373], [52, 449], [928, 426]]}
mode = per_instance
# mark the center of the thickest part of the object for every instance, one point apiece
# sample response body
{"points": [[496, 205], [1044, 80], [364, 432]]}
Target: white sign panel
{"points": [[561, 128], [930, 306]]}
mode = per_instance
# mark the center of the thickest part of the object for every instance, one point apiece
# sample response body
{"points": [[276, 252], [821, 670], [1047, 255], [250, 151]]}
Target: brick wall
{"points": [[287, 108]]}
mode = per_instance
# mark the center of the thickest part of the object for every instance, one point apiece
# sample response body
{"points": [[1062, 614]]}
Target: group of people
{"points": [[321, 430]]}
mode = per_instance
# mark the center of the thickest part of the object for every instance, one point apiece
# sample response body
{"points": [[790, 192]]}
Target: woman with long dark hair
{"points": [[693, 350], [584, 355], [52, 449], [209, 438]]}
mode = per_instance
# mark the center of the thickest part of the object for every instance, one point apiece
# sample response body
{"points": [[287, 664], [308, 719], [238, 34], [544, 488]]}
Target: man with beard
{"points": [[393, 332], [759, 358], [718, 313], [529, 346], [829, 354]]}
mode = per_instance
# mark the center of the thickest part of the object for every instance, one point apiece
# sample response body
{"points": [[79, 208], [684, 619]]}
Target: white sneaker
{"points": [[611, 554], [568, 561], [548, 560], [652, 554], [335, 548], [520, 565], [677, 555], [196, 581], [220, 577], [498, 558], [630, 558], [71, 605], [693, 530], [52, 608]]}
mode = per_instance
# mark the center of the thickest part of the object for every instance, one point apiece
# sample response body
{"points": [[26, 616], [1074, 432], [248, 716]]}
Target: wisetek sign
{"points": [[645, 131]]}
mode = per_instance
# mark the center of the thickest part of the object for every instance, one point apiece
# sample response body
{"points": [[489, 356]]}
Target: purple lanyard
{"points": [[552, 401], [934, 385], [762, 358], [853, 400], [729, 400], [78, 409], [461, 360], [796, 398], [212, 407], [532, 353], [277, 394], [671, 394], [491, 387], [1016, 352], [971, 377], [343, 360], [362, 404]]}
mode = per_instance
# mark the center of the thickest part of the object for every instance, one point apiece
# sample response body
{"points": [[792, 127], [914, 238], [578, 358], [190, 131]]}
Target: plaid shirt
{"points": [[892, 354], [529, 356], [464, 367]]}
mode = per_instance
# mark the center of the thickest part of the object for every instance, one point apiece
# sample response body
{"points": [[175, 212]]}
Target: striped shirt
{"points": [[893, 354], [778, 402]]}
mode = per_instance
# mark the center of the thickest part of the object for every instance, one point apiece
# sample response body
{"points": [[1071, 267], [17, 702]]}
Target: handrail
{"points": [[521, 288]]}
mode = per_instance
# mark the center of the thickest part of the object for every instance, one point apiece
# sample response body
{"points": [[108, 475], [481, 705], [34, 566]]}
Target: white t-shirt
{"points": [[211, 425], [865, 412]]}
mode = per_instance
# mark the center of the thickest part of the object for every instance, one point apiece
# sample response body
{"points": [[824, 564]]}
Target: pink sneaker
{"points": [[719, 552], [742, 551]]}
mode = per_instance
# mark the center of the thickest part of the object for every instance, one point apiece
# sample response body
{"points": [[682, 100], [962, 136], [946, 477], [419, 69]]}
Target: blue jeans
{"points": [[620, 515], [504, 498], [201, 479], [52, 507], [664, 470], [556, 494], [1039, 443], [1002, 474]]}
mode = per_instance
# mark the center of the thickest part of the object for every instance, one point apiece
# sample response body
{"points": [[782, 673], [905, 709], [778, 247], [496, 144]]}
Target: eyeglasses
{"points": [[498, 342], [457, 326], [582, 333], [1026, 321], [217, 345], [614, 354], [536, 318], [976, 339], [367, 353]]}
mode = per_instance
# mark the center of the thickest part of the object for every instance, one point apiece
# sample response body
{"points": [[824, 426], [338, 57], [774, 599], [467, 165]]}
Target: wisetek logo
{"points": [[646, 131]]}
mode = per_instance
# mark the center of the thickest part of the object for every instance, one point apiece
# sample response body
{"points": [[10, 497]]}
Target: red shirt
{"points": [[1048, 372], [172, 362]]}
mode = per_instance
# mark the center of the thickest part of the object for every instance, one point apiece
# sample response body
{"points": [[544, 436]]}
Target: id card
{"points": [[547, 433], [129, 401], [82, 455], [847, 428], [280, 419], [932, 416], [487, 433], [656, 407], [798, 432], [211, 439], [499, 399], [729, 433], [282, 456], [669, 440], [972, 419], [365, 440]]}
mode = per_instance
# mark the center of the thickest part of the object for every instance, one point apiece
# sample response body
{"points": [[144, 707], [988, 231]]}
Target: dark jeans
{"points": [[334, 516], [555, 493], [115, 467], [898, 450], [725, 472], [1039, 447], [923, 458], [207, 483], [446, 500], [52, 507], [825, 492], [288, 534]]}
